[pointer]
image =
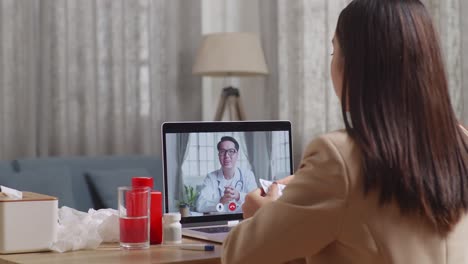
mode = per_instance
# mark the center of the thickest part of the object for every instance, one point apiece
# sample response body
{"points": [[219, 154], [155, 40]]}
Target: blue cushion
{"points": [[85, 198], [6, 172], [54, 181], [104, 183]]}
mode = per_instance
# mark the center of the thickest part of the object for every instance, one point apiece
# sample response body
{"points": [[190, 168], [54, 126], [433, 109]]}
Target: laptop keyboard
{"points": [[212, 230]]}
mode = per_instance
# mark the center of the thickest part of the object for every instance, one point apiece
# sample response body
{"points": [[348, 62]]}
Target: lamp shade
{"points": [[233, 53]]}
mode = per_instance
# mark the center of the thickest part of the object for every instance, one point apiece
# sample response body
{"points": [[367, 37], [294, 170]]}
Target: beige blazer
{"points": [[324, 216]]}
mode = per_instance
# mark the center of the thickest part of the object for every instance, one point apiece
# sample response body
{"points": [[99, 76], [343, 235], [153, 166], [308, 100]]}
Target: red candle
{"points": [[155, 209]]}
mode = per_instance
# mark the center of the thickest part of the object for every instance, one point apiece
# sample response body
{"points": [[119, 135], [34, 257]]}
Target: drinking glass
{"points": [[134, 212]]}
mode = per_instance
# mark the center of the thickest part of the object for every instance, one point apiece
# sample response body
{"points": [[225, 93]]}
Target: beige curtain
{"points": [[300, 61], [94, 77], [306, 95], [450, 18]]}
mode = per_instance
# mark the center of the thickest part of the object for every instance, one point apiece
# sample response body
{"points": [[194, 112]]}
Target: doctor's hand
{"points": [[230, 193], [254, 200]]}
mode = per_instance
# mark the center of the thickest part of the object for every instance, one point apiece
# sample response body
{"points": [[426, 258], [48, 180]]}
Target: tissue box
{"points": [[28, 224]]}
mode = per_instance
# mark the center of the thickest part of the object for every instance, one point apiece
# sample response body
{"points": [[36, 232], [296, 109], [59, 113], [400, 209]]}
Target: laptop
{"points": [[209, 167]]}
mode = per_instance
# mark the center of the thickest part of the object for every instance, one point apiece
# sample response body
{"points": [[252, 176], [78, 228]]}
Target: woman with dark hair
{"points": [[393, 186]]}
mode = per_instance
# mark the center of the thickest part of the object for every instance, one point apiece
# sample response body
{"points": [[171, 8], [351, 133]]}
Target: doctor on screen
{"points": [[224, 189]]}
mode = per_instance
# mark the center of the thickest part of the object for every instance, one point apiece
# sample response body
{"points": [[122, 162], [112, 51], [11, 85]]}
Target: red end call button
{"points": [[232, 206]]}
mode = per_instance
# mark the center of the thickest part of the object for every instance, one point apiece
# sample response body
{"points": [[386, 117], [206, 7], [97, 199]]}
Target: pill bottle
{"points": [[172, 229]]}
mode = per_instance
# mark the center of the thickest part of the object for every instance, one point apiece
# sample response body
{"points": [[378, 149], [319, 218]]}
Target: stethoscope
{"points": [[239, 182]]}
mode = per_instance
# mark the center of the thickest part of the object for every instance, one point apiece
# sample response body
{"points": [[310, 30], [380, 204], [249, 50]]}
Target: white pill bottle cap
{"points": [[171, 217]]}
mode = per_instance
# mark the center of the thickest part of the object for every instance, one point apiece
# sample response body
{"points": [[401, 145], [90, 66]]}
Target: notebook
{"points": [[209, 167]]}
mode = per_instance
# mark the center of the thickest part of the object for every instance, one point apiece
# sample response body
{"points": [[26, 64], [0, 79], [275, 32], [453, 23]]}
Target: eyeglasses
{"points": [[230, 152]]}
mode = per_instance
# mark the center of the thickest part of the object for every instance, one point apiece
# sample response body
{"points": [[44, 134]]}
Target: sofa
{"points": [[80, 182]]}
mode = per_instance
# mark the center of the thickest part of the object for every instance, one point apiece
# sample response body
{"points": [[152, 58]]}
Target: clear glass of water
{"points": [[134, 212]]}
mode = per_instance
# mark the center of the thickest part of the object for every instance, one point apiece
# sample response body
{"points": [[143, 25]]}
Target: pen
{"points": [[201, 247]]}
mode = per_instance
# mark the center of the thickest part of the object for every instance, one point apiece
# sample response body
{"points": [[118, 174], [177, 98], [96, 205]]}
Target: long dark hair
{"points": [[395, 88]]}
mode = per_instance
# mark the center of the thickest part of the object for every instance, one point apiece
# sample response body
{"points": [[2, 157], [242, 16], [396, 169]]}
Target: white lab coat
{"points": [[213, 188]]}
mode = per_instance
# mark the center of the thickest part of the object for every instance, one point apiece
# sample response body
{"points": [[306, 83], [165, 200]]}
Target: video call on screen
{"points": [[212, 181]]}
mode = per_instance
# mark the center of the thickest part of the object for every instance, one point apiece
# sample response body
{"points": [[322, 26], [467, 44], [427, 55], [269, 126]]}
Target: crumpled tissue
{"points": [[266, 186], [79, 230], [12, 193]]}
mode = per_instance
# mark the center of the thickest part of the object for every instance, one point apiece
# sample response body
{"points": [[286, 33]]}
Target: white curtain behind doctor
{"points": [[258, 146], [182, 146]]}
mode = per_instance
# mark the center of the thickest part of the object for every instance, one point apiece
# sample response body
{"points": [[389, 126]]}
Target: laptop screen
{"points": [[209, 167]]}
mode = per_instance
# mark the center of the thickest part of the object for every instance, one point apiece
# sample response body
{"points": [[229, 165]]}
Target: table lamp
{"points": [[230, 54]]}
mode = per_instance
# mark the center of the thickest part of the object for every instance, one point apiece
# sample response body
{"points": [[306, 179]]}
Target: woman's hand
{"points": [[285, 180], [254, 200]]}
